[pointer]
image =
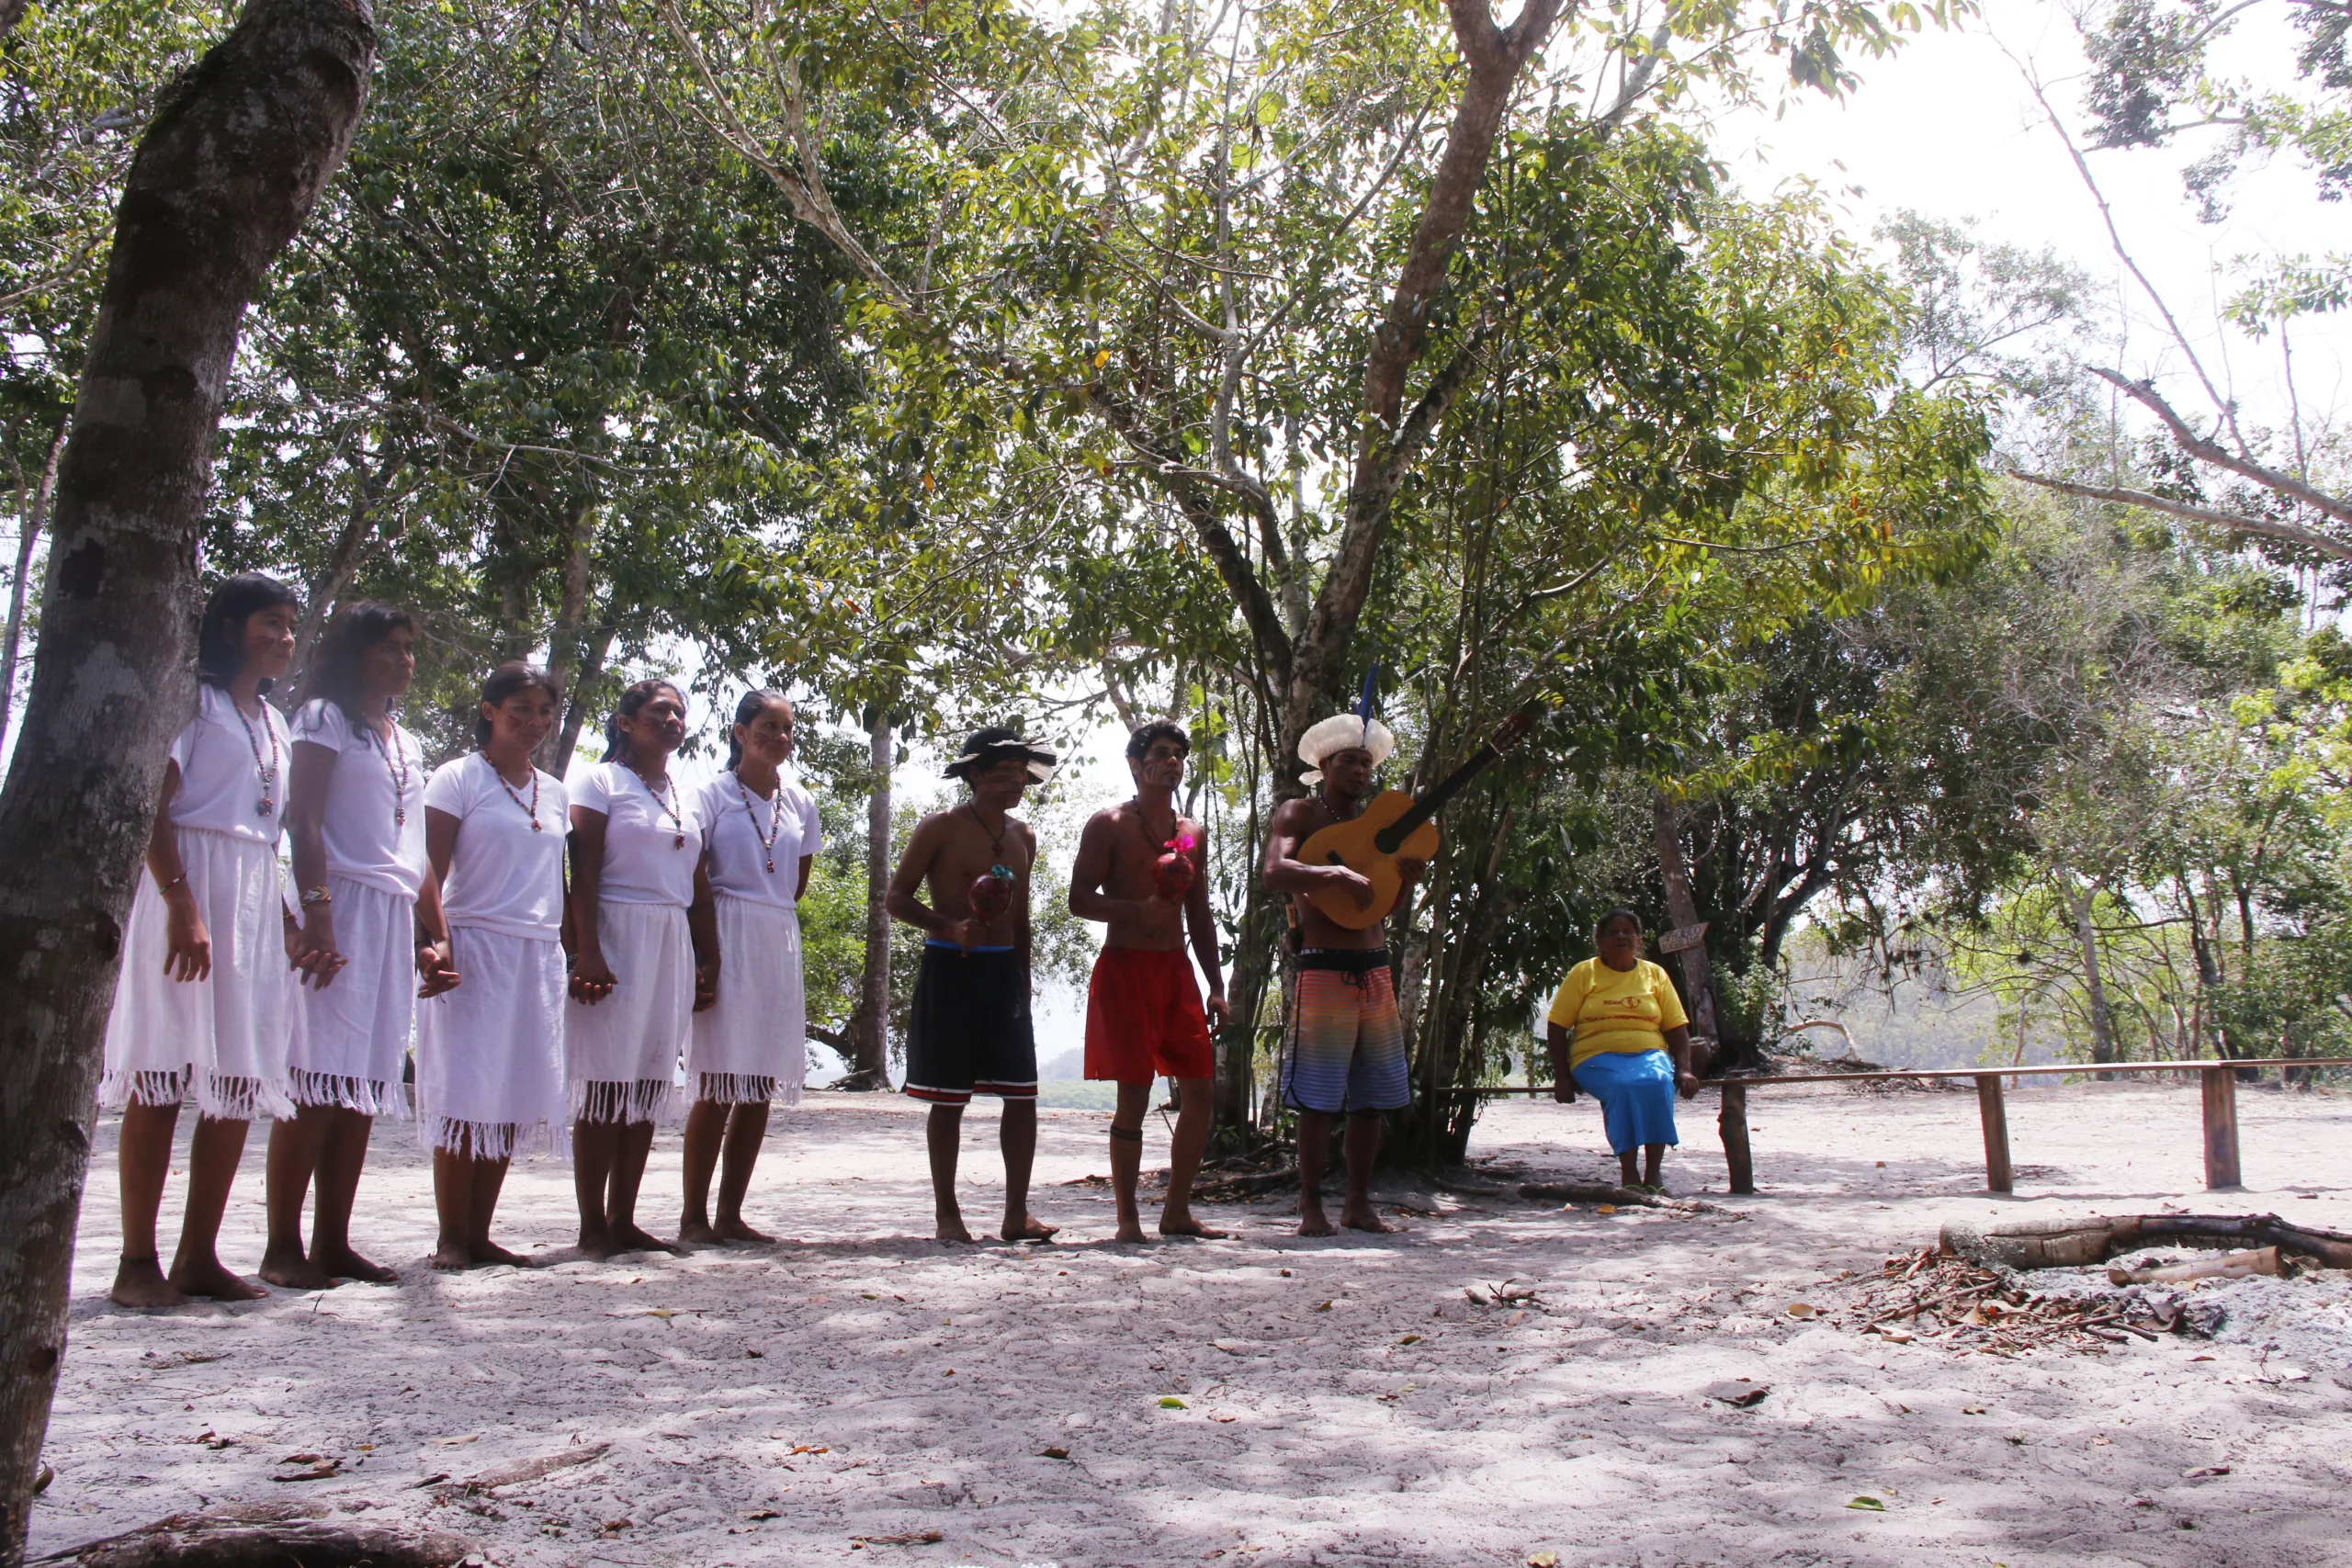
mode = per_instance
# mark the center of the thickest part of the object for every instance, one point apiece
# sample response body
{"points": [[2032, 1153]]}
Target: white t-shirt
{"points": [[221, 788], [645, 860], [375, 817], [505, 874], [735, 837]]}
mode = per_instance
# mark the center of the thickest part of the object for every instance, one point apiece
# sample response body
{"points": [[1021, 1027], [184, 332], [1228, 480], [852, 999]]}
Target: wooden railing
{"points": [[2220, 1102]]}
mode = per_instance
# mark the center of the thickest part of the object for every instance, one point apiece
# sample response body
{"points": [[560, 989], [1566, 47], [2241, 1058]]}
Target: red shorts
{"points": [[1144, 1018]]}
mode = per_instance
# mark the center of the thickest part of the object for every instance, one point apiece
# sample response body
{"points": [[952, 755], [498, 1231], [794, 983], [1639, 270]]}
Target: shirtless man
{"points": [[969, 1031], [1143, 1008], [1347, 1045]]}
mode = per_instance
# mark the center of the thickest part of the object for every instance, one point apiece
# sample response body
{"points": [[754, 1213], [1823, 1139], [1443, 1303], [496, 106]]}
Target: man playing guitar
{"points": [[1346, 1055]]}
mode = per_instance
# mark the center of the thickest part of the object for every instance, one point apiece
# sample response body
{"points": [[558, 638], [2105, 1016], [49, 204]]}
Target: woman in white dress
{"points": [[641, 965], [356, 818], [749, 1045], [489, 1051], [200, 1005]]}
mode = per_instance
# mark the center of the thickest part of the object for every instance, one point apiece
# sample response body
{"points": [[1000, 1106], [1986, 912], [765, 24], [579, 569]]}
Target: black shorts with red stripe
{"points": [[968, 1031]]}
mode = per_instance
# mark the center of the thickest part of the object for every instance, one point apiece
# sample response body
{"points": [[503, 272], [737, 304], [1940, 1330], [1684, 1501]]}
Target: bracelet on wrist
{"points": [[316, 897], [179, 881]]}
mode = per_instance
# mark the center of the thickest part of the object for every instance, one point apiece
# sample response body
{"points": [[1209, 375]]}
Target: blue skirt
{"points": [[1636, 1093]]}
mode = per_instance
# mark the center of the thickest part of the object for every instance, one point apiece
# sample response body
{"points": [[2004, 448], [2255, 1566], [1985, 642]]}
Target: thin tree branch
{"points": [[2235, 523], [2115, 239], [2209, 451]]}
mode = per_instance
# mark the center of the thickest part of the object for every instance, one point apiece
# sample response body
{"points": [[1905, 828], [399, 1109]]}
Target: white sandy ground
{"points": [[1311, 1433]]}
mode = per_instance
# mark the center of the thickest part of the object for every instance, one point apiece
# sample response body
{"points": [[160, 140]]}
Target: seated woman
{"points": [[1617, 1031]]}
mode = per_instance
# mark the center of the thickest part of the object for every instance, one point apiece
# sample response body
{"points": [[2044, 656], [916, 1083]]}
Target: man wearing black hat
{"points": [[969, 1031]]}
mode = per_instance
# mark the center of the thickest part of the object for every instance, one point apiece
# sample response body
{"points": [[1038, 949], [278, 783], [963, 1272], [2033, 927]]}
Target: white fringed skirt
{"points": [[490, 1055], [751, 1044], [350, 1040], [622, 1053], [221, 1038]]}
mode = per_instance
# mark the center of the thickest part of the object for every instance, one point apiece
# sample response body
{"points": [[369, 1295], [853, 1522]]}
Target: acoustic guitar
{"points": [[1394, 825]]}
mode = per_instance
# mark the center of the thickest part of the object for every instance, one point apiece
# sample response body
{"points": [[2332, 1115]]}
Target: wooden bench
{"points": [[2220, 1098]]}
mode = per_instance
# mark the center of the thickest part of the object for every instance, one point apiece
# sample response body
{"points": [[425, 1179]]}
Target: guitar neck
{"points": [[1428, 805]]}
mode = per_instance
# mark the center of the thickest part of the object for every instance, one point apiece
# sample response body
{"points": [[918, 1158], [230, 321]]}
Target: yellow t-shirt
{"points": [[1615, 1010]]}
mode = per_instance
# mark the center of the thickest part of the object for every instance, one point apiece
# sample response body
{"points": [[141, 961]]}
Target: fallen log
{"points": [[2229, 1266], [234, 1539], [2072, 1244], [516, 1471]]}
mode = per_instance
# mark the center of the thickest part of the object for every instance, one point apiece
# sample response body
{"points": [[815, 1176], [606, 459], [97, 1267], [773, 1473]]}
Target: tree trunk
{"points": [[1698, 975], [2079, 901], [343, 560], [36, 517], [1257, 961], [570, 650], [235, 157], [870, 1029], [578, 692]]}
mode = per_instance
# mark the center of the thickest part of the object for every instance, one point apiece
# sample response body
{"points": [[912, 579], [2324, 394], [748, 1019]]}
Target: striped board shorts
{"points": [[1346, 1051]]}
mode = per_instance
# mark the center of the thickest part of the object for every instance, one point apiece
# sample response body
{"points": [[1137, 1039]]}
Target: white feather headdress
{"points": [[1336, 734]]}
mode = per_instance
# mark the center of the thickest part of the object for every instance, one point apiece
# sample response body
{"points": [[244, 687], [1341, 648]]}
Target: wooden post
{"points": [[1998, 1175], [2222, 1126], [1732, 1124]]}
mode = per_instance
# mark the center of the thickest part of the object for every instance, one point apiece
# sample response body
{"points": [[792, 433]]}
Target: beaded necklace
{"points": [[396, 765], [533, 809], [268, 773], [669, 806], [775, 819]]}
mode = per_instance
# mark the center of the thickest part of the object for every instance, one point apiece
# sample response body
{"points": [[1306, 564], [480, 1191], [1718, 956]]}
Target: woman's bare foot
{"points": [[1185, 1224], [1312, 1221], [951, 1228], [342, 1263], [734, 1229], [1360, 1217], [696, 1232], [1130, 1230], [633, 1238], [453, 1257], [1029, 1228], [140, 1282], [294, 1272], [490, 1254], [208, 1277], [596, 1242]]}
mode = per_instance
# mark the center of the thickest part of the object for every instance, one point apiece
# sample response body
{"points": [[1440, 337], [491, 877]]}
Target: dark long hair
{"points": [[220, 636], [503, 682], [745, 712], [636, 697], [334, 663]]}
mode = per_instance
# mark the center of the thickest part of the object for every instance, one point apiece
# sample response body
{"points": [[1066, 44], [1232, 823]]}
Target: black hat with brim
{"points": [[986, 748]]}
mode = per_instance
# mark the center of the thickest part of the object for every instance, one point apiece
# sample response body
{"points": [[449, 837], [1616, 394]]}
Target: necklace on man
{"points": [[996, 837], [775, 819], [395, 765], [537, 826], [1175, 819], [267, 803], [668, 805]]}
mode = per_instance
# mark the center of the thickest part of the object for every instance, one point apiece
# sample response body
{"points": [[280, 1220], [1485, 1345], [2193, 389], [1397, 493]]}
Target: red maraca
{"points": [[991, 892], [1173, 873]]}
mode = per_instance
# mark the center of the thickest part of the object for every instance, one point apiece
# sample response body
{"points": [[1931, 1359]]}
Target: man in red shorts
{"points": [[1144, 1015]]}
